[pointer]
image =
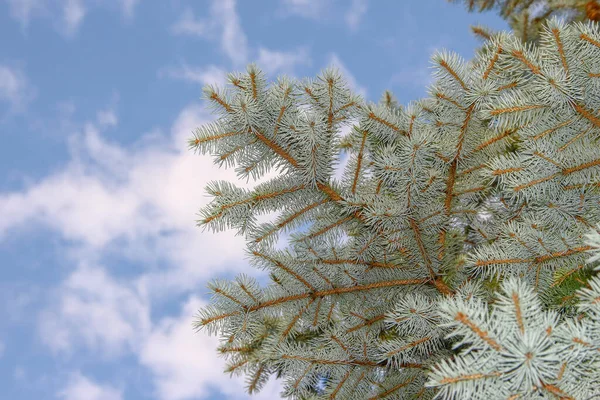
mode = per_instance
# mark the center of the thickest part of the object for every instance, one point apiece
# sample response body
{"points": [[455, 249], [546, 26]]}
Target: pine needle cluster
{"points": [[451, 258]]}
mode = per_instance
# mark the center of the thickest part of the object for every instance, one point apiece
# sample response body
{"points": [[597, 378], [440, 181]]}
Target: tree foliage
{"points": [[449, 260]]}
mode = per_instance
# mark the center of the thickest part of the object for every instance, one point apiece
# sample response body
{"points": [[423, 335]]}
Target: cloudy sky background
{"points": [[101, 266]]}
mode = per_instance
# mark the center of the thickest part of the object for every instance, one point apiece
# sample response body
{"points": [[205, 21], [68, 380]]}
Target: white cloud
{"points": [[79, 205], [233, 39], [80, 387], [23, 10], [314, 9], [67, 15], [140, 203], [95, 310], [106, 118], [322, 10], [223, 17], [186, 365], [17, 300], [19, 373], [272, 61], [224, 20], [128, 7], [73, 14], [137, 202], [335, 61], [208, 75], [189, 25], [355, 13], [15, 88]]}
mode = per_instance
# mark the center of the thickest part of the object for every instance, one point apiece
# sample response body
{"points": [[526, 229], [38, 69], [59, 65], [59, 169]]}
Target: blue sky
{"points": [[101, 265]]}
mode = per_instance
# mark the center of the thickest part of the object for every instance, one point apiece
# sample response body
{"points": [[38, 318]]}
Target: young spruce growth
{"points": [[450, 260]]}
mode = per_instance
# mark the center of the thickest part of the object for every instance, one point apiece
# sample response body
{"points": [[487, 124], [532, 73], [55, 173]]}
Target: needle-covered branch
{"points": [[450, 249]]}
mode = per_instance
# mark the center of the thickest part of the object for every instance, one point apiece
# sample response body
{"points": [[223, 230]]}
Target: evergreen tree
{"points": [[450, 259], [527, 17]]}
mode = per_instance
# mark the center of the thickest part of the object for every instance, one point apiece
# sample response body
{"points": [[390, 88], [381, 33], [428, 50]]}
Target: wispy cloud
{"points": [[314, 9], [189, 25], [273, 62], [106, 118], [233, 38], [208, 75], [73, 14], [354, 15], [222, 23], [321, 10], [66, 15], [23, 10], [80, 387], [186, 365], [140, 202], [128, 6], [86, 304], [15, 88]]}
